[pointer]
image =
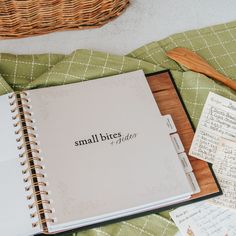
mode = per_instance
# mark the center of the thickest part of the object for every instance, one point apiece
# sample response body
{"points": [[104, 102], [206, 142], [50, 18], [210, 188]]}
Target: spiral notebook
{"points": [[86, 153]]}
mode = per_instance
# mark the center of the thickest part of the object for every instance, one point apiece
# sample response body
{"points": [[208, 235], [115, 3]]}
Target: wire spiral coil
{"points": [[31, 161]]}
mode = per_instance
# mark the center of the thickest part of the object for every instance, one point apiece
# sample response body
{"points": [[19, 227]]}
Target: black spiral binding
{"points": [[31, 162]]}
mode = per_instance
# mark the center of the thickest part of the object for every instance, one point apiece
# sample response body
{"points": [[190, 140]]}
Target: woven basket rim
{"points": [[26, 18]]}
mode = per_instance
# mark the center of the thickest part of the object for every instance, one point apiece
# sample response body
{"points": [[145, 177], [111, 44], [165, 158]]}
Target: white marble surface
{"points": [[144, 21]]}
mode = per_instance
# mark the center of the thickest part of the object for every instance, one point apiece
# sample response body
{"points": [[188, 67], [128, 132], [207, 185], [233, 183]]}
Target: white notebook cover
{"points": [[106, 152], [104, 179]]}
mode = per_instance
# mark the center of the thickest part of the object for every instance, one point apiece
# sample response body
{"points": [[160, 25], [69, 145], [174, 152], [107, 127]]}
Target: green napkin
{"points": [[216, 44]]}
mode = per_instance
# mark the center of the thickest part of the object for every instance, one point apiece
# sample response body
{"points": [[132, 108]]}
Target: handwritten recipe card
{"points": [[218, 120], [204, 219], [224, 166]]}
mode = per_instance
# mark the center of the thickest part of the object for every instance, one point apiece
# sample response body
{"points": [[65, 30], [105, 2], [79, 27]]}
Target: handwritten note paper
{"points": [[228, 199], [224, 166], [218, 120], [225, 159], [204, 219]]}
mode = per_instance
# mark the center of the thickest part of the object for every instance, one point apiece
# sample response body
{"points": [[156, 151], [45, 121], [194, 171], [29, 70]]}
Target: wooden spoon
{"points": [[196, 63]]}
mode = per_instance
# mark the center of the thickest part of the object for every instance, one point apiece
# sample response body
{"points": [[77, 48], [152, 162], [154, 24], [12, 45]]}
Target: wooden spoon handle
{"points": [[196, 63]]}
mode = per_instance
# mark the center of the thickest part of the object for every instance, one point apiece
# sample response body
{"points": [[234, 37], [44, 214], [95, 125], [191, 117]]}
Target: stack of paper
{"points": [[214, 142]]}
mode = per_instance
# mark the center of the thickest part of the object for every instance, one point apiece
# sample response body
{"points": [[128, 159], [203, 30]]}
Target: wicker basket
{"points": [[21, 18]]}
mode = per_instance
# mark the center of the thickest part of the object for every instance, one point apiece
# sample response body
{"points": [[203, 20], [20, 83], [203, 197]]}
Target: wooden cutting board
{"points": [[169, 102]]}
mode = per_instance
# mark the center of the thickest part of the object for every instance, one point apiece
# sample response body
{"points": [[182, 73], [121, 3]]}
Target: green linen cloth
{"points": [[216, 44]]}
